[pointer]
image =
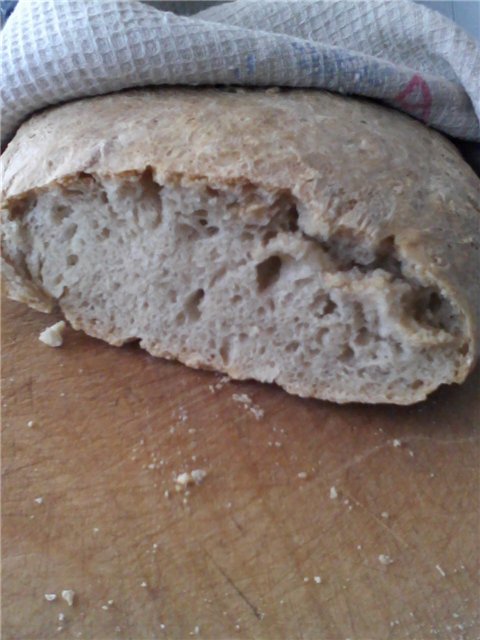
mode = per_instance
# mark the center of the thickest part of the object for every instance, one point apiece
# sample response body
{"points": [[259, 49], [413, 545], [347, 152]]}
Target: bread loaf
{"points": [[324, 243]]}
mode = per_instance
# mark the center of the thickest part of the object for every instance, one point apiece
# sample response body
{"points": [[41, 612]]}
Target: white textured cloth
{"points": [[402, 53]]}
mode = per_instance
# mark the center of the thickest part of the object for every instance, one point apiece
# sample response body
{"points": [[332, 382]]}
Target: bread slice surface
{"points": [[324, 243]]}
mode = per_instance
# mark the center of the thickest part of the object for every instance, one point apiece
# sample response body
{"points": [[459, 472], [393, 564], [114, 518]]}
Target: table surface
{"points": [[90, 503]]}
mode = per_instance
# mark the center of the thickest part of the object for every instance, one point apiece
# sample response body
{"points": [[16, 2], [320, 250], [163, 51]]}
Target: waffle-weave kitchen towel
{"points": [[396, 51]]}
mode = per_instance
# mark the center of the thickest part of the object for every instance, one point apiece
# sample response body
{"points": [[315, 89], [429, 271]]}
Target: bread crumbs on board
{"points": [[53, 336], [248, 404], [385, 559], [187, 478], [219, 385], [182, 414], [183, 480], [198, 475], [68, 595]]}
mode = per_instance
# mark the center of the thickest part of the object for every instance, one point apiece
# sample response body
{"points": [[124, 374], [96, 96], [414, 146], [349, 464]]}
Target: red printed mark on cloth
{"points": [[416, 98]]}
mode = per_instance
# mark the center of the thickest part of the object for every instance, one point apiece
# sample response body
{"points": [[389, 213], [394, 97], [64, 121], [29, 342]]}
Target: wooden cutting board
{"points": [[260, 549]]}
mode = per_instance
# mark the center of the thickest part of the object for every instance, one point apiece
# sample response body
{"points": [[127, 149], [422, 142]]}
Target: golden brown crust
{"points": [[352, 165]]}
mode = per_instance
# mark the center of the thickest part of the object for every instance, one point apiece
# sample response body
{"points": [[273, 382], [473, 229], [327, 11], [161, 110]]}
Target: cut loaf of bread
{"points": [[324, 243]]}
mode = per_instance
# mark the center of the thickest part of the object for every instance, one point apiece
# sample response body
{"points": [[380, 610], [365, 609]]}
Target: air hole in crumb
{"points": [[69, 232], [348, 205], [292, 218], [242, 337], [105, 233], [347, 354], [151, 189], [329, 307], [236, 298], [268, 272], [202, 216], [320, 334], [269, 235], [72, 260], [225, 351], [180, 318], [212, 231], [434, 302], [431, 309], [218, 275], [192, 304], [464, 349], [416, 384], [188, 231], [292, 347], [362, 337], [301, 282], [172, 296], [60, 213]]}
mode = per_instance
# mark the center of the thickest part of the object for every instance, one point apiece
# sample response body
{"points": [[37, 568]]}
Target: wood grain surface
{"points": [[85, 504]]}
